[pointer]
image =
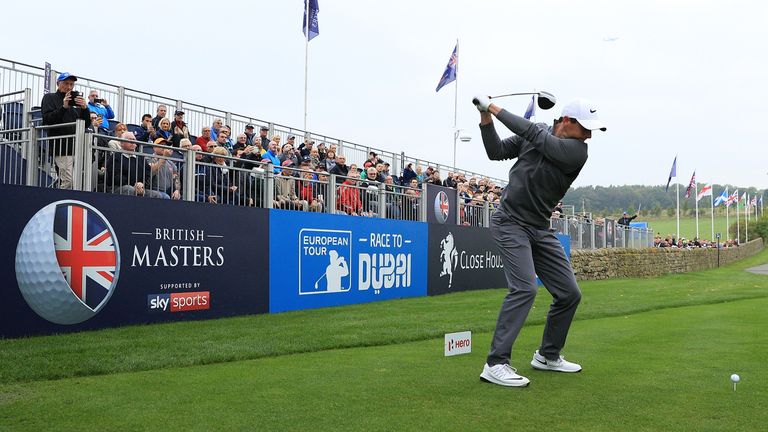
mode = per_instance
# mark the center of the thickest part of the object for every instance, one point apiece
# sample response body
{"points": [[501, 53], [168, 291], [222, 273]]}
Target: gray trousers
{"points": [[526, 252]]}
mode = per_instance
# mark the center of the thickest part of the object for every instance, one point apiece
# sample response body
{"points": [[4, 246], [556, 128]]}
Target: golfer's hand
{"points": [[481, 103]]}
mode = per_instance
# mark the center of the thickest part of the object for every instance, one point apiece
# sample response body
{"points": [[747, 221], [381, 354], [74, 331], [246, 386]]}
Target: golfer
{"points": [[548, 160]]}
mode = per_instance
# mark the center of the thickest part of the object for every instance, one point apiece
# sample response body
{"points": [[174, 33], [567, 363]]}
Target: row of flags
{"points": [[723, 198]]}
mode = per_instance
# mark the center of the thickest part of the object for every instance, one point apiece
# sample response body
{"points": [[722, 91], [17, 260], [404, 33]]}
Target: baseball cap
{"points": [[291, 137], [249, 126], [585, 112], [66, 76], [161, 141], [179, 112]]}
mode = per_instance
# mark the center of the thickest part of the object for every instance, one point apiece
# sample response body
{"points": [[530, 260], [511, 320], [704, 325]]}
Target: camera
{"points": [[73, 94], [98, 101]]}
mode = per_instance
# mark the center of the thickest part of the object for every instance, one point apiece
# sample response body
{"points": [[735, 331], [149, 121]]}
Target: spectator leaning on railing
{"points": [[58, 108]]}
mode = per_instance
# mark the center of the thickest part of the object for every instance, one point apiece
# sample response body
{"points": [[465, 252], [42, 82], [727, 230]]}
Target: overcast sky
{"points": [[680, 78]]}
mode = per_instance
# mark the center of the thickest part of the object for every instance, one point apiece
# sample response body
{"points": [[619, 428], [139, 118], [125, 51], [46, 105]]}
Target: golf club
{"points": [[318, 281], [546, 100]]}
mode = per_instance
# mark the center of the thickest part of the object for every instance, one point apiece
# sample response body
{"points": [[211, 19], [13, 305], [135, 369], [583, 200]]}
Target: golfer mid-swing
{"points": [[548, 160]]}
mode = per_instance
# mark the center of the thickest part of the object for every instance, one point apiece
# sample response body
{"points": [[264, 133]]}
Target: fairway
{"points": [[657, 355], [665, 227]]}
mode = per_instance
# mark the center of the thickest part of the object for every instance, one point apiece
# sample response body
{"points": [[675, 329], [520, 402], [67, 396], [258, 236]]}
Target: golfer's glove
{"points": [[482, 103]]}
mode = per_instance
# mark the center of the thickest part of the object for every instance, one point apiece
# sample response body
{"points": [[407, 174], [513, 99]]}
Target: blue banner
{"points": [[321, 260]]}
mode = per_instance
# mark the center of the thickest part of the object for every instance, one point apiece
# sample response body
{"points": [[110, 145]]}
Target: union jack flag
{"points": [[450, 71], [733, 198], [86, 252]]}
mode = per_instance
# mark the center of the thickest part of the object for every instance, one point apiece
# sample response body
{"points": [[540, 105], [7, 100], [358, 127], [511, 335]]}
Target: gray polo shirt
{"points": [[545, 168]]}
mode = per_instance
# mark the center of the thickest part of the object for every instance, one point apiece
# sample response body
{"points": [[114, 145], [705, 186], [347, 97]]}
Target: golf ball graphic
{"points": [[67, 262]]}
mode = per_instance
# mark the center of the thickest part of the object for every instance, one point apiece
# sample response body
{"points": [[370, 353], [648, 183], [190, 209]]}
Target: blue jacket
{"points": [[104, 111], [274, 159]]}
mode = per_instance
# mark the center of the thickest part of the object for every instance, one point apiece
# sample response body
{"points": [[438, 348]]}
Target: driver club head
{"points": [[546, 100]]}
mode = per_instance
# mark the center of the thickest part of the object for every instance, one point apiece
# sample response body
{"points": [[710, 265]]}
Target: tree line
{"points": [[653, 201]]}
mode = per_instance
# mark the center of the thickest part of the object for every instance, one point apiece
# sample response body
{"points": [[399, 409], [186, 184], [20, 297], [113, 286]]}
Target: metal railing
{"points": [[107, 164], [129, 105]]}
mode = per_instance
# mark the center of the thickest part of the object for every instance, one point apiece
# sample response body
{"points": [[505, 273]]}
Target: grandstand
{"points": [[244, 177]]}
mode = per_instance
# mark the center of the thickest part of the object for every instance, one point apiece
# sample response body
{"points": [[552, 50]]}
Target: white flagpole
{"points": [[712, 203], [696, 198], [727, 224], [738, 219], [455, 105], [677, 198], [746, 220], [306, 60]]}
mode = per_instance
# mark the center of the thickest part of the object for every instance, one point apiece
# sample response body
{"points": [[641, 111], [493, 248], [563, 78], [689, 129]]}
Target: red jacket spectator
{"points": [[348, 199]]}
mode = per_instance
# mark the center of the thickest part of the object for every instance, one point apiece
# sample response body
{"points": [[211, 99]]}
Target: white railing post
{"points": [[79, 155], [121, 105], [190, 168], [31, 157], [423, 207], [331, 194], [269, 186]]}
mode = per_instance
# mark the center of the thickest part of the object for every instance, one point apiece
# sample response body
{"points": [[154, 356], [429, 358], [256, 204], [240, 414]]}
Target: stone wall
{"points": [[623, 263]]}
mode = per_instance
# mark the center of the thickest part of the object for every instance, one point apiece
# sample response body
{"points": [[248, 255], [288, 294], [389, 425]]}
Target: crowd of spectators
{"points": [[682, 243]]}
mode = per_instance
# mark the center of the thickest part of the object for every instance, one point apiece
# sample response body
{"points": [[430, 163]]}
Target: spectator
{"points": [[271, 156], [392, 198], [205, 136], [241, 143], [222, 183], [285, 190], [164, 131], [162, 111], [408, 175], [329, 161], [348, 197], [370, 192], [559, 209], [625, 219], [250, 135], [450, 181], [340, 168], [101, 107], [321, 151], [307, 192], [435, 178], [472, 185], [305, 148], [120, 129], [314, 158], [420, 175], [126, 172], [412, 199], [58, 108], [222, 141], [374, 158], [202, 184], [263, 132], [215, 127], [180, 129], [146, 131], [165, 173], [289, 154], [226, 130]]}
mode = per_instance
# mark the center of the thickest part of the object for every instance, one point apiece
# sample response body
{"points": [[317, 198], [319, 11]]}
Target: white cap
{"points": [[585, 112]]}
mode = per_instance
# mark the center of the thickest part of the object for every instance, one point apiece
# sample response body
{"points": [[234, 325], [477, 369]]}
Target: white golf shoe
{"points": [[503, 375], [560, 365]]}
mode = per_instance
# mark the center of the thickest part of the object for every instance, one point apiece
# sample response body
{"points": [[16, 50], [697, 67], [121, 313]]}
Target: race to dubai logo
{"points": [[67, 262], [442, 207]]}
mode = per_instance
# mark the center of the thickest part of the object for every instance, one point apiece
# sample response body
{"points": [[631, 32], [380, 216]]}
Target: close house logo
{"points": [[67, 262]]}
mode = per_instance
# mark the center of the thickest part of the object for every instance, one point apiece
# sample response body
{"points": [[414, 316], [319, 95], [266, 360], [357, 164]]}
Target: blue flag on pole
{"points": [[450, 71], [314, 28], [721, 199], [531, 110], [672, 173]]}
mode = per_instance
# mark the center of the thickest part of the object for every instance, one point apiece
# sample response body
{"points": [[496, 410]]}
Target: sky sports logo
{"points": [[179, 302]]}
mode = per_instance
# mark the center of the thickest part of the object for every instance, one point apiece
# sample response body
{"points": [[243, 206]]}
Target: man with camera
{"points": [[100, 107], [64, 106]]}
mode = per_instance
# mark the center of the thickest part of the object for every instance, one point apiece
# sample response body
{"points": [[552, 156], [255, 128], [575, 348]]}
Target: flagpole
{"points": [[746, 220], [727, 223], [696, 199], [306, 60], [455, 105], [738, 219], [712, 204], [677, 196]]}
